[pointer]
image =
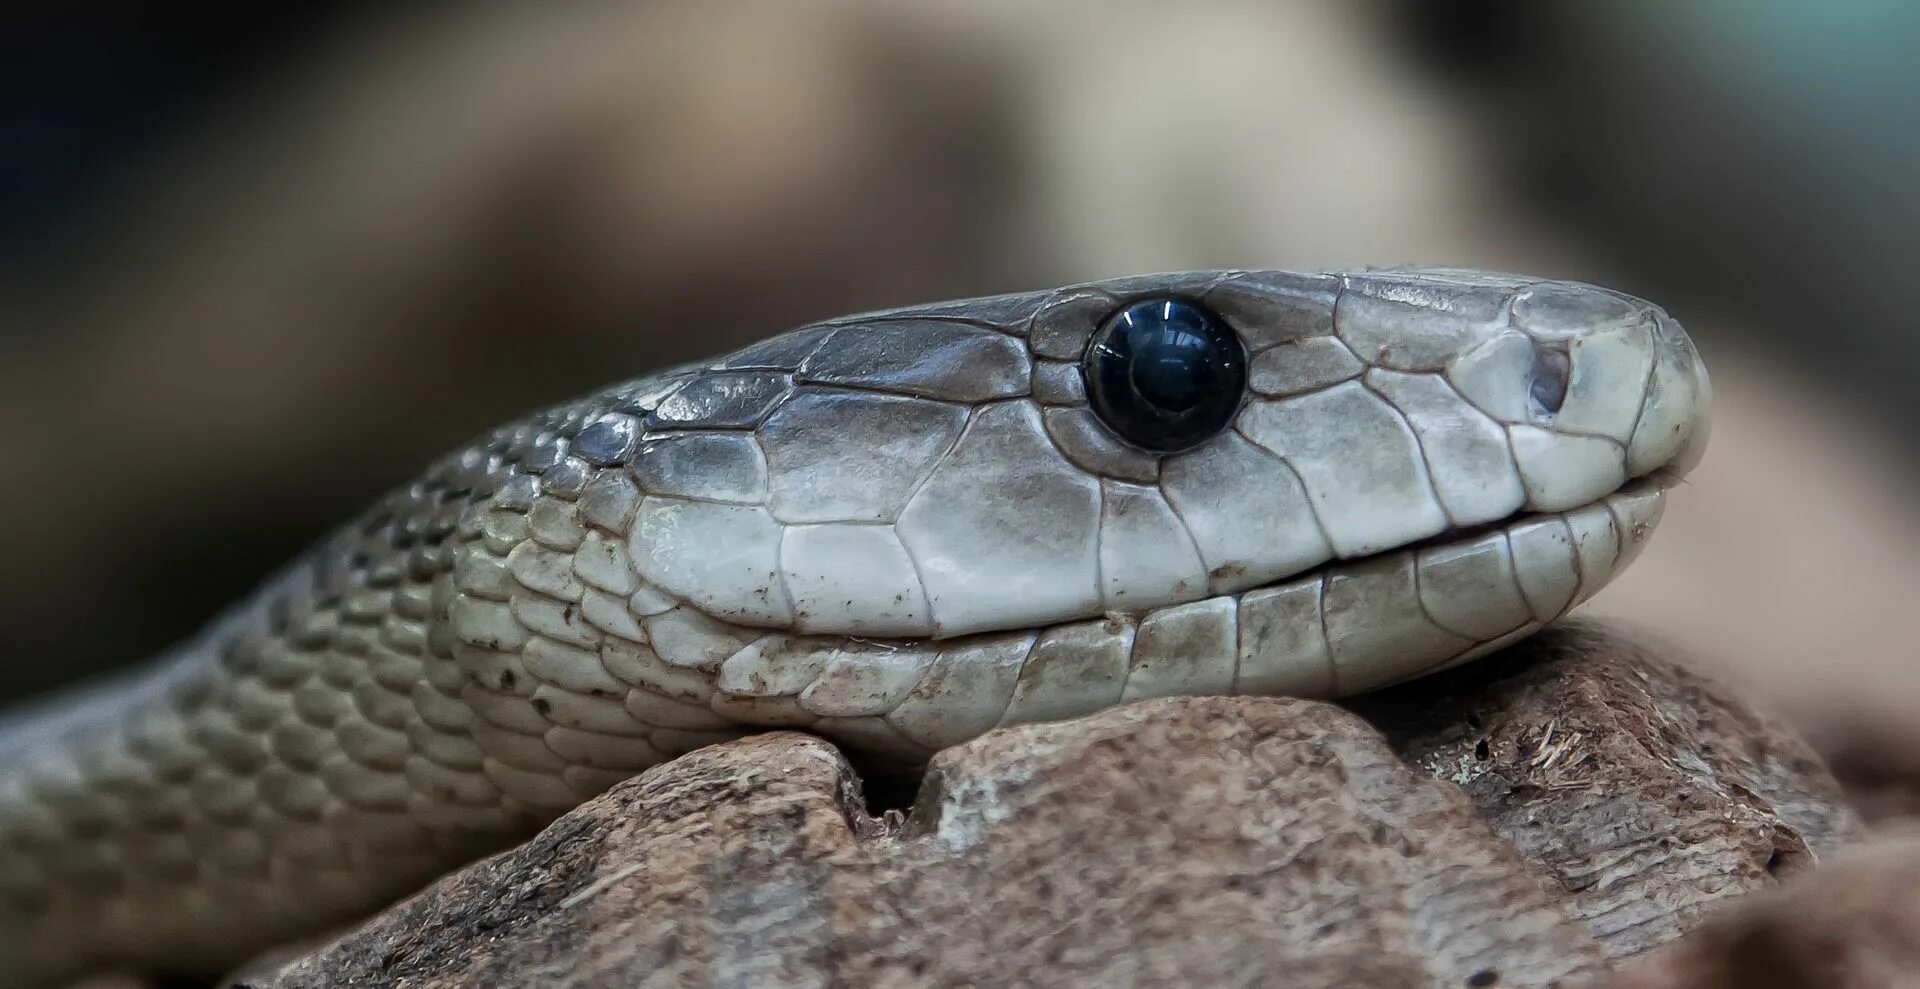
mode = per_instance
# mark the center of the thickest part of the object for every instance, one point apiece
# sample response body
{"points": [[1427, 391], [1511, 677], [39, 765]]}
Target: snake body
{"points": [[897, 530]]}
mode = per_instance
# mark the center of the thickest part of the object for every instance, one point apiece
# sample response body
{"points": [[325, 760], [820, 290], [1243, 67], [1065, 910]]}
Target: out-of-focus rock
{"points": [[1208, 841], [1878, 764], [1852, 925]]}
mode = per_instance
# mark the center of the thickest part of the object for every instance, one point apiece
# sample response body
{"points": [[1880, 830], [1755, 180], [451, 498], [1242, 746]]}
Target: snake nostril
{"points": [[1548, 389]]}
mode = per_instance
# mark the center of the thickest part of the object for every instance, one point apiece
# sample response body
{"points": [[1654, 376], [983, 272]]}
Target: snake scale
{"points": [[897, 530]]}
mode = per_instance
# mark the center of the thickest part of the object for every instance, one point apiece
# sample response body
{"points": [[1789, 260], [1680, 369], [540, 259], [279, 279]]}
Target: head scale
{"points": [[1003, 464]]}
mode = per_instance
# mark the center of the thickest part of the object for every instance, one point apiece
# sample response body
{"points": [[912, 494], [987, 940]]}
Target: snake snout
{"points": [[1678, 415]]}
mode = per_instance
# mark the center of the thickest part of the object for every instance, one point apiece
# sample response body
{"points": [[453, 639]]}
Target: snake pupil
{"points": [[1165, 374]]}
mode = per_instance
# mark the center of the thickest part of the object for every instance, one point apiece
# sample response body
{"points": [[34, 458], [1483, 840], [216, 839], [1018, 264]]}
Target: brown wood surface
{"points": [[1852, 925], [1531, 820]]}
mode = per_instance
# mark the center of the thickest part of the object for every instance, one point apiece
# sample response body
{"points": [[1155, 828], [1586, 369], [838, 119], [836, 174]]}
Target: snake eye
{"points": [[1164, 374]]}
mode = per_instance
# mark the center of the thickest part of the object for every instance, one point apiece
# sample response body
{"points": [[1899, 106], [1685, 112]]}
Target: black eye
{"points": [[1165, 374]]}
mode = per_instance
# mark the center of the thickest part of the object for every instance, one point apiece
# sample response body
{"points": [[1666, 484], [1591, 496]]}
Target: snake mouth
{"points": [[1425, 606], [1554, 561], [1343, 628], [1626, 515], [1654, 483], [1644, 492]]}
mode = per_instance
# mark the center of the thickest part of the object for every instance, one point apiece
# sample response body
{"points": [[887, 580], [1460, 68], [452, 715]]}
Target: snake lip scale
{"points": [[897, 530], [1658, 482]]}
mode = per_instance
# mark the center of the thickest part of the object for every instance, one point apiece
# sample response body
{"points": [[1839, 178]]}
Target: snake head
{"points": [[1127, 445]]}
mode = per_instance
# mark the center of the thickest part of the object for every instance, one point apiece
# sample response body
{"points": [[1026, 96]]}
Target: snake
{"points": [[896, 530]]}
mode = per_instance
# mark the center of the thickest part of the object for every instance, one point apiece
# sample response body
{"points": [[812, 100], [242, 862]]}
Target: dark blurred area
{"points": [[256, 267], [83, 105]]}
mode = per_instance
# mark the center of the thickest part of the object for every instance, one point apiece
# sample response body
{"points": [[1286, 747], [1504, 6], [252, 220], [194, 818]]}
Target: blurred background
{"points": [[259, 264]]}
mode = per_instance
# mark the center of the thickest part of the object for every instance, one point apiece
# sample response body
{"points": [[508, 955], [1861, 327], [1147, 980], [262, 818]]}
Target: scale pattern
{"points": [[898, 530]]}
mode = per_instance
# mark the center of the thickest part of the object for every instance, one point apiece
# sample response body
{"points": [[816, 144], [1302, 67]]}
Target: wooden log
{"points": [[1647, 793], [1520, 822]]}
